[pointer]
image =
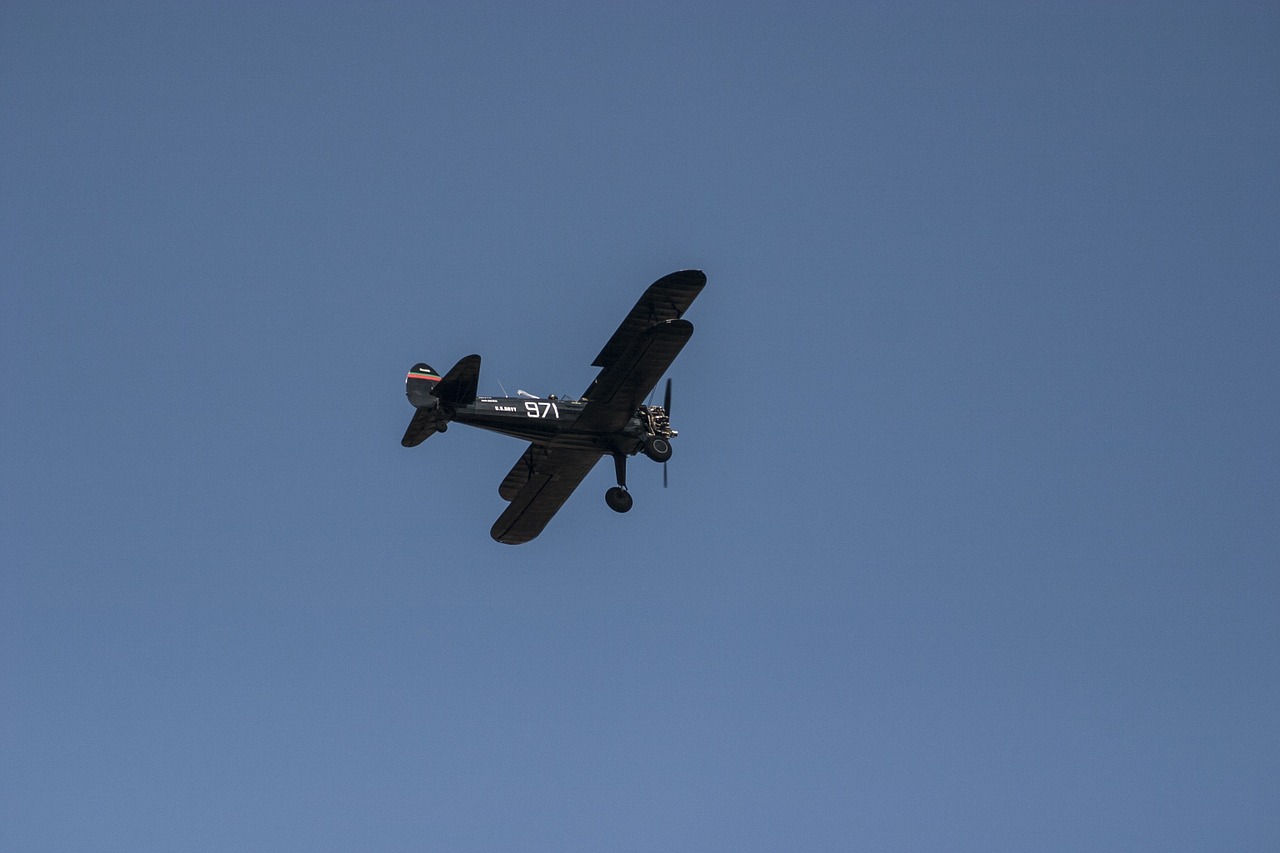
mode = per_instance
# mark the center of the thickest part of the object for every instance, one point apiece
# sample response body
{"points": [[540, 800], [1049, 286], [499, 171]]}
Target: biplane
{"points": [[567, 437]]}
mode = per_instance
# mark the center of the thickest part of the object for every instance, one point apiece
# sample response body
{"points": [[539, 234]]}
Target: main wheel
{"points": [[658, 449], [618, 499]]}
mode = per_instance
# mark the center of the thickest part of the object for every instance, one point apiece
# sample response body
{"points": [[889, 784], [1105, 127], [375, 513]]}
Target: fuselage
{"points": [[549, 421]]}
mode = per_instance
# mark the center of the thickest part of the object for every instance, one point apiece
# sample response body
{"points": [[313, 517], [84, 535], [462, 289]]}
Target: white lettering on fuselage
{"points": [[540, 409], [506, 408]]}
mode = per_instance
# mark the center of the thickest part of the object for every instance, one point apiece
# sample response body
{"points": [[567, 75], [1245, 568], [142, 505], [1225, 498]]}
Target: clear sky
{"points": [[973, 534]]}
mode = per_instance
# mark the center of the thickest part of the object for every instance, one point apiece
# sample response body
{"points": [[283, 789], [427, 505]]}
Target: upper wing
{"points": [[666, 299], [538, 486], [620, 388]]}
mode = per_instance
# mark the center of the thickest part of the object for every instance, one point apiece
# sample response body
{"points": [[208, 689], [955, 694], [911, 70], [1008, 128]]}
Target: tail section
{"points": [[418, 387], [435, 397]]}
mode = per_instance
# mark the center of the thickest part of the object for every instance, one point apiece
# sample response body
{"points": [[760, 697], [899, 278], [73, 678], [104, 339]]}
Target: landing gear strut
{"points": [[618, 498]]}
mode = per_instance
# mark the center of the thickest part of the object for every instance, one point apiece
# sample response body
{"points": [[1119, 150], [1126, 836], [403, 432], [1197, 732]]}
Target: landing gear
{"points": [[658, 449], [618, 499]]}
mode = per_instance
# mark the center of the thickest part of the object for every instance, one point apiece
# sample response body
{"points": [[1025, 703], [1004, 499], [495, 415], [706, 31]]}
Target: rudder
{"points": [[419, 384]]}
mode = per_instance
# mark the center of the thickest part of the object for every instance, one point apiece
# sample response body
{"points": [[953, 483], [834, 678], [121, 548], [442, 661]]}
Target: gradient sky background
{"points": [[973, 535]]}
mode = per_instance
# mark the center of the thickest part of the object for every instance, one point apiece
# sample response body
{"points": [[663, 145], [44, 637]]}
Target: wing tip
{"points": [[504, 535]]}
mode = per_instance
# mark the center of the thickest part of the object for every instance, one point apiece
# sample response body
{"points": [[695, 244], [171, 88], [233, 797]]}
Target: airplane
{"points": [[568, 437]]}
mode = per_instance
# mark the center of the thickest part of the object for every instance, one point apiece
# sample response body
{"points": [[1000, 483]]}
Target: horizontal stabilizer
{"points": [[458, 387], [422, 427]]}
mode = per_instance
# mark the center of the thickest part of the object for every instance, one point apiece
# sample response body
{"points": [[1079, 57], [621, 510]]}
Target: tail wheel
{"points": [[658, 449]]}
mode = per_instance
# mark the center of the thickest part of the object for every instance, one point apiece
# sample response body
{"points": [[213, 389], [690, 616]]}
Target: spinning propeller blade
{"points": [[666, 404]]}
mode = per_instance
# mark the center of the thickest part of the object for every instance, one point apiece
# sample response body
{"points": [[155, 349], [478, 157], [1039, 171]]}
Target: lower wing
{"points": [[546, 478]]}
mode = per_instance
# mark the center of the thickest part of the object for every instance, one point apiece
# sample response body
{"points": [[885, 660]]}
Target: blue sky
{"points": [[971, 541]]}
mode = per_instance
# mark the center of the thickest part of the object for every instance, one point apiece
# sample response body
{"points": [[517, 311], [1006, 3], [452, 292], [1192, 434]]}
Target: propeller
{"points": [[666, 407], [666, 404]]}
